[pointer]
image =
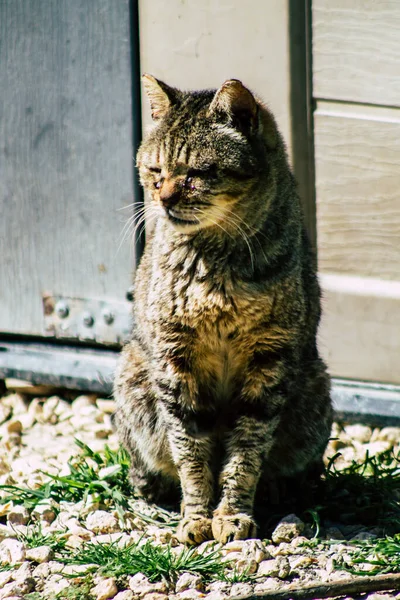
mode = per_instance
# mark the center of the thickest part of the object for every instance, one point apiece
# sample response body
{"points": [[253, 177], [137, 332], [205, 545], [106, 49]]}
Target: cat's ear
{"points": [[237, 103], [161, 96]]}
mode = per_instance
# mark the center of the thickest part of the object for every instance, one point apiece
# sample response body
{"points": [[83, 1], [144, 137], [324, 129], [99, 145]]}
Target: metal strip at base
{"points": [[93, 369], [70, 367]]}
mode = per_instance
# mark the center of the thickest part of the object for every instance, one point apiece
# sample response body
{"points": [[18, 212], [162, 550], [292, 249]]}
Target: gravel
{"points": [[37, 437]]}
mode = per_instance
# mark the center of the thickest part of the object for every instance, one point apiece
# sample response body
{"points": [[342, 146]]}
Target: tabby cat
{"points": [[221, 384]]}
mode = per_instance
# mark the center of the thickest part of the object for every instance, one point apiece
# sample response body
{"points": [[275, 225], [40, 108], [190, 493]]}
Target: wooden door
{"points": [[356, 84], [66, 165]]}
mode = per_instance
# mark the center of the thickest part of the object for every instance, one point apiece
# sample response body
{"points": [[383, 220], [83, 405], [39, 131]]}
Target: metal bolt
{"points": [[62, 309], [108, 316], [129, 293], [88, 319]]}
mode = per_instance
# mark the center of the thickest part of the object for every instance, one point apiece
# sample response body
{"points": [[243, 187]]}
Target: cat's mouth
{"points": [[177, 218]]}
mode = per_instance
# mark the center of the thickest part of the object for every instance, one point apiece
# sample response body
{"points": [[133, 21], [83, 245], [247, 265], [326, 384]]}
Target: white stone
{"points": [[23, 573], [18, 515], [44, 512], [266, 586], [105, 589], [11, 441], [231, 557], [388, 434], [234, 546], [42, 571], [255, 550], [106, 406], [215, 596], [140, 585], [74, 542], [17, 589], [5, 412], [287, 529], [301, 562], [375, 448], [159, 535], [73, 525], [49, 407], [188, 595], [63, 410], [54, 585], [25, 465], [241, 590], [10, 590], [125, 595], [361, 433], [55, 566], [101, 521], [188, 581], [11, 551], [6, 532], [379, 597], [220, 587], [268, 568], [5, 577], [40, 554], [17, 402], [247, 565], [82, 401], [276, 567]]}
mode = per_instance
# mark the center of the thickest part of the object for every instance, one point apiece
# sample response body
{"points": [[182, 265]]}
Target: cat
{"points": [[221, 384]]}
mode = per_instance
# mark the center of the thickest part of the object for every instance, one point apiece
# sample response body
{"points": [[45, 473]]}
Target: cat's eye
{"points": [[154, 169], [189, 184]]}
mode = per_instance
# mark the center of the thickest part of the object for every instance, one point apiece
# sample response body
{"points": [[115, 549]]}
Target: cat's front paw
{"points": [[226, 528], [194, 529]]}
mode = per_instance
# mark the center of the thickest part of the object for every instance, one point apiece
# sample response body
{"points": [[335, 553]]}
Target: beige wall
{"points": [[356, 84], [196, 44]]}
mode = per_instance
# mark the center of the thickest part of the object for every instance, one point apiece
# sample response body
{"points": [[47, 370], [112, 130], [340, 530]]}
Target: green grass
{"points": [[76, 591], [373, 557], [34, 537], [83, 481], [238, 576], [366, 493], [156, 562]]}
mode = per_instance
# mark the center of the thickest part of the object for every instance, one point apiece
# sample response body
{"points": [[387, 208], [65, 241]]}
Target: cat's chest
{"points": [[219, 362]]}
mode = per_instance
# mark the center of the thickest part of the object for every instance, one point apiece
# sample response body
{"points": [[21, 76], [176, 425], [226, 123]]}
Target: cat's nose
{"points": [[169, 194]]}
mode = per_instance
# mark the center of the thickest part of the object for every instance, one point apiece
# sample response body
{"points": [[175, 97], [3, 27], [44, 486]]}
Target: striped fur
{"points": [[221, 383]]}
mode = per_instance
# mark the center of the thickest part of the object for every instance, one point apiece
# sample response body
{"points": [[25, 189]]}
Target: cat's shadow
{"points": [[343, 500]]}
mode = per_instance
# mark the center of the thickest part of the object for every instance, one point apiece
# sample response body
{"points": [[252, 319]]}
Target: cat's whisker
{"points": [[149, 213], [244, 236], [127, 206], [132, 223], [144, 223], [243, 224], [214, 222], [131, 219]]}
